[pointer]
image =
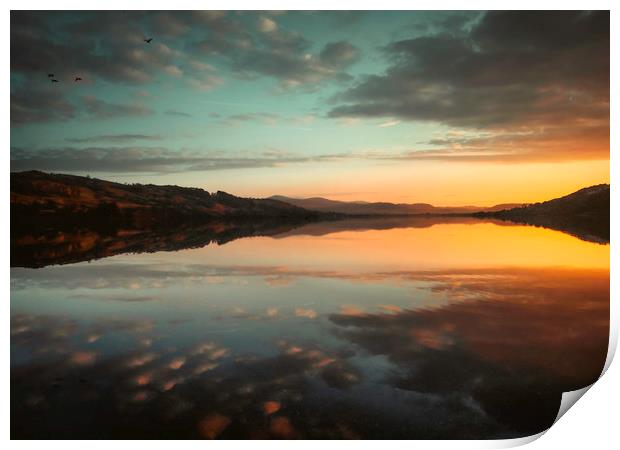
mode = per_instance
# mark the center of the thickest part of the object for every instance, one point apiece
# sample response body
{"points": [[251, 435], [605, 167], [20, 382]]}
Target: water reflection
{"points": [[344, 335], [512, 342], [66, 246]]}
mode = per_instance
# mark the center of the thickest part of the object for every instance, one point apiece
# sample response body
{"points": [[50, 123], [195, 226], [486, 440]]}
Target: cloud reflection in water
{"points": [[487, 356]]}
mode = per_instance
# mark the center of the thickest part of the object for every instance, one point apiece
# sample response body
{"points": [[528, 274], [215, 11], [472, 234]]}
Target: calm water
{"points": [[448, 331]]}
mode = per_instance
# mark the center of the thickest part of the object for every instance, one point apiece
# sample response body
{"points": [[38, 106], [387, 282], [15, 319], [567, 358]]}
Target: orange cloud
{"points": [[271, 407], [213, 425]]}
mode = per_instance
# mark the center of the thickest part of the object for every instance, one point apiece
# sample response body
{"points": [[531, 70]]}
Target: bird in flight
{"points": [[54, 80], [50, 75], [148, 41], [77, 79]]}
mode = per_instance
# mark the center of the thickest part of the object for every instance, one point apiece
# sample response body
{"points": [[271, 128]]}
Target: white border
{"points": [[591, 422]]}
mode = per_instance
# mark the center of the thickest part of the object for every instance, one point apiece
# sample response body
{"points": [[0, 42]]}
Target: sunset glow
{"points": [[322, 225], [441, 246], [419, 106]]}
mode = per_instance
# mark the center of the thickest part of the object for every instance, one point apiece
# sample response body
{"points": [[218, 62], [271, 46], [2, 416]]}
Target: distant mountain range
{"points": [[383, 208]]}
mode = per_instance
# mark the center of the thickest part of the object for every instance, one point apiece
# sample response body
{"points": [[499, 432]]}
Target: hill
{"points": [[584, 213], [56, 199], [383, 208]]}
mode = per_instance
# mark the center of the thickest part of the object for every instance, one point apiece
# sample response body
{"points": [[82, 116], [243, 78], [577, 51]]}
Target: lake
{"points": [[421, 330]]}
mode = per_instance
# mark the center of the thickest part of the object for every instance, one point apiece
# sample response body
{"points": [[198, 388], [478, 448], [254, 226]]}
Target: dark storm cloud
{"points": [[142, 159], [512, 69]]}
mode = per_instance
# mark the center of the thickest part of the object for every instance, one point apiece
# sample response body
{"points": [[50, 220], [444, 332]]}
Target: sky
{"points": [[448, 108]]}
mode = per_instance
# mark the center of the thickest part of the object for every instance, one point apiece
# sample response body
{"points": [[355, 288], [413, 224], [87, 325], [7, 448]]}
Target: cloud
{"points": [[34, 105], [128, 299], [68, 44], [143, 160], [101, 109], [300, 122], [443, 77], [115, 138], [286, 58], [469, 368], [498, 342], [262, 117], [40, 105], [122, 57], [173, 112], [109, 46], [338, 54], [390, 123], [201, 76], [108, 275], [307, 313], [181, 384], [512, 71], [273, 52], [266, 25], [205, 82], [532, 145]]}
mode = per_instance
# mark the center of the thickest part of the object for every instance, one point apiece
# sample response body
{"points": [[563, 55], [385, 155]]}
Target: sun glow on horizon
{"points": [[438, 247], [437, 183]]}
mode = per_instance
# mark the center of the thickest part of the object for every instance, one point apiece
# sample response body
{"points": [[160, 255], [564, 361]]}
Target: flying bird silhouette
{"points": [[77, 79], [148, 41], [54, 80]]}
